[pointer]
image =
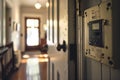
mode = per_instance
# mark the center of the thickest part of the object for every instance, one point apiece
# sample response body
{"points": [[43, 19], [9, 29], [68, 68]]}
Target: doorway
{"points": [[32, 33]]}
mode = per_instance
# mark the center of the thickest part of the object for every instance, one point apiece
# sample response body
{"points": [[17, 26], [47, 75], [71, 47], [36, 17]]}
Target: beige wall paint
{"points": [[15, 6], [1, 22], [8, 26]]}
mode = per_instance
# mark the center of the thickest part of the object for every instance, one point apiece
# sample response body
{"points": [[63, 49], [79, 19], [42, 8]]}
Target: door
{"points": [[32, 33]]}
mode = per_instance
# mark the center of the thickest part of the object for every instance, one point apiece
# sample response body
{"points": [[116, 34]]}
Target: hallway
{"points": [[33, 67], [82, 38]]}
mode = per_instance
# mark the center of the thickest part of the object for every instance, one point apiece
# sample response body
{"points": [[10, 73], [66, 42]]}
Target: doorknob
{"points": [[63, 46]]}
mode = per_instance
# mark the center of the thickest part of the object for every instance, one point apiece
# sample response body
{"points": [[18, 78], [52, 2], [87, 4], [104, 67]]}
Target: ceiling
{"points": [[32, 2]]}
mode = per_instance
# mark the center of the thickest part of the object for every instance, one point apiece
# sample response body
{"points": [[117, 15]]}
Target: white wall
{"points": [[14, 14], [32, 12]]}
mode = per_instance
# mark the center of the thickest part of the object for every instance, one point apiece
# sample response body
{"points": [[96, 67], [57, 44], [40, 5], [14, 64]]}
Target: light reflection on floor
{"points": [[29, 67], [26, 56], [41, 57], [32, 69]]}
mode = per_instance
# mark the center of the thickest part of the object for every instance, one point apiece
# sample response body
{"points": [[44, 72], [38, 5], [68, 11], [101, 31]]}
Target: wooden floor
{"points": [[22, 73]]}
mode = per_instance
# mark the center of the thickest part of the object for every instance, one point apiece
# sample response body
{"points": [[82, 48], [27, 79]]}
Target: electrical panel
{"points": [[95, 33], [98, 34]]}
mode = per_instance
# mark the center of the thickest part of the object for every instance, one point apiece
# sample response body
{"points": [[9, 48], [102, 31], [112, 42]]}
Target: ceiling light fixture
{"points": [[47, 4], [37, 5]]}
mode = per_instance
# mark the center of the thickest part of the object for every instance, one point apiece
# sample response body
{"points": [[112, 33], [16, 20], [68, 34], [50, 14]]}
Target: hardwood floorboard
{"points": [[21, 74]]}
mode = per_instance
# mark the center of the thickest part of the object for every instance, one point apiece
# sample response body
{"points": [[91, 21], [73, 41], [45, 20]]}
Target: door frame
{"points": [[31, 48]]}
